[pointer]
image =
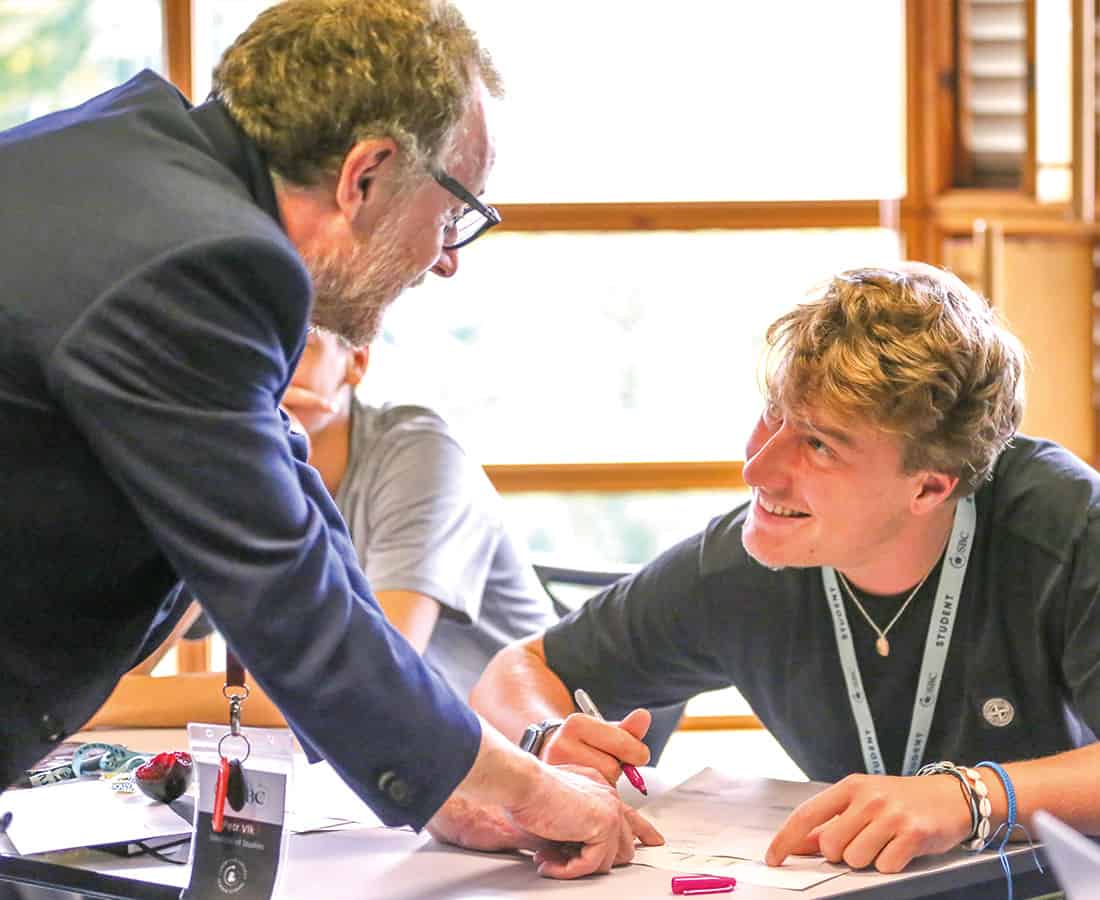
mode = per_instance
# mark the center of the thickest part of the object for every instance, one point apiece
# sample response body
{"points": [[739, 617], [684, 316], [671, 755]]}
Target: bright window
{"points": [[1054, 98], [624, 346], [617, 100], [587, 530], [57, 53], [216, 24], [625, 100]]}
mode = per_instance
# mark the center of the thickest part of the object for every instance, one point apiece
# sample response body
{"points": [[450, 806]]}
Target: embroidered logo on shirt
{"points": [[998, 711]]}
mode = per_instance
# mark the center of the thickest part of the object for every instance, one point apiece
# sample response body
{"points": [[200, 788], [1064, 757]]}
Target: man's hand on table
{"points": [[572, 819], [883, 820]]}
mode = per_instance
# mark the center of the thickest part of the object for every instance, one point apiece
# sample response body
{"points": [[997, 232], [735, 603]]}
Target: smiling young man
{"points": [[911, 582]]}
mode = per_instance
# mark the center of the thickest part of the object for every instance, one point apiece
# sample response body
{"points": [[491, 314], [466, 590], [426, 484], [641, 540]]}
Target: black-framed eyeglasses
{"points": [[475, 219]]}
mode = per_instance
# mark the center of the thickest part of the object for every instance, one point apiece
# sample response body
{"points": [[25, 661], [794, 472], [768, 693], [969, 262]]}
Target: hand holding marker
{"points": [[589, 709]]}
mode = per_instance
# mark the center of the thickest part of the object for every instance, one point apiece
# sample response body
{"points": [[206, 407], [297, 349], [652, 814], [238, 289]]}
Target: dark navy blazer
{"points": [[151, 315]]}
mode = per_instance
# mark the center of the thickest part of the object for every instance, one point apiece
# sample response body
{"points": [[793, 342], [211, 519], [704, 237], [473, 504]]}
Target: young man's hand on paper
{"points": [[881, 820]]}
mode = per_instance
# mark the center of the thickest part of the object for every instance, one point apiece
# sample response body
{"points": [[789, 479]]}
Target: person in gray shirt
{"points": [[425, 520]]}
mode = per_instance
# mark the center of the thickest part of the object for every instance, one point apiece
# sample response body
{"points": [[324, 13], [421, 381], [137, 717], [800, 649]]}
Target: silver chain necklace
{"points": [[882, 645]]}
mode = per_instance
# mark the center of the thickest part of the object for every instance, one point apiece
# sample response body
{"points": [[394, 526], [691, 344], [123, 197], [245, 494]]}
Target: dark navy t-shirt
{"points": [[705, 615]]}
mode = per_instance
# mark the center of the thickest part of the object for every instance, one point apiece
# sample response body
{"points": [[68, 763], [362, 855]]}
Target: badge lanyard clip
{"points": [[230, 785]]}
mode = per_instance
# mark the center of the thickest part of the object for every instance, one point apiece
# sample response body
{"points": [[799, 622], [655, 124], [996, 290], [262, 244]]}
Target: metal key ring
{"points": [[247, 746], [226, 688]]}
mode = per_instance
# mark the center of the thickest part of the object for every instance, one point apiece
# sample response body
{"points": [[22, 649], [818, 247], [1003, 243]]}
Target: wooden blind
{"points": [[994, 79]]}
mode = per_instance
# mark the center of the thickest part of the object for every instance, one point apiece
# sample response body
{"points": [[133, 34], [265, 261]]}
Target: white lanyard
{"points": [[948, 592]]}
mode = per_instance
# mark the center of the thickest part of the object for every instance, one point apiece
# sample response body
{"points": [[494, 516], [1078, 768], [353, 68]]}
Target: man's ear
{"points": [[362, 183], [357, 365], [933, 489]]}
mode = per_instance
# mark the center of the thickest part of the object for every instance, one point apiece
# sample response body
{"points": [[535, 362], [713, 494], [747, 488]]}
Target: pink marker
{"points": [[703, 884], [589, 709]]}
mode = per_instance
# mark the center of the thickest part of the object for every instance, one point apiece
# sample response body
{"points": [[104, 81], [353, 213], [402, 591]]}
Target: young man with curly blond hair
{"points": [[912, 582], [164, 264]]}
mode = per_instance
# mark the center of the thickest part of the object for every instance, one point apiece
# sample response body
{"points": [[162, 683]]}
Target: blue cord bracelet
{"points": [[1010, 822], [1010, 793]]}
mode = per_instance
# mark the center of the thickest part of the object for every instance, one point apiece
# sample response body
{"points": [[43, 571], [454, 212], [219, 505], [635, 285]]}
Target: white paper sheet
{"points": [[319, 795], [797, 873], [82, 814], [717, 824]]}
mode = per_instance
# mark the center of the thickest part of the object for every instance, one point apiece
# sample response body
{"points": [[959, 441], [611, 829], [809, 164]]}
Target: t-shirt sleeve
{"points": [[1081, 630], [173, 378], [432, 525], [650, 639]]}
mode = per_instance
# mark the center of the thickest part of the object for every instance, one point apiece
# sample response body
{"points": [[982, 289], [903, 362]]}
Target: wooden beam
{"points": [[955, 211], [688, 216], [1084, 110], [1029, 176], [718, 723], [989, 239], [962, 155], [916, 173], [177, 43], [616, 477], [193, 656]]}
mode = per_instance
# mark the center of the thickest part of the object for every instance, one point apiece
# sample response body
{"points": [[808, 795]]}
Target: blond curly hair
{"points": [[309, 79], [912, 351]]}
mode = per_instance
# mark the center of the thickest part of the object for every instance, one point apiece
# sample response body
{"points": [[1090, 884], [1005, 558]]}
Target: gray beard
{"points": [[348, 298], [353, 289]]}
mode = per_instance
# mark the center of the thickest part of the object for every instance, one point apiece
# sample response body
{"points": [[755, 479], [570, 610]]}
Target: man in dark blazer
{"points": [[159, 264]]}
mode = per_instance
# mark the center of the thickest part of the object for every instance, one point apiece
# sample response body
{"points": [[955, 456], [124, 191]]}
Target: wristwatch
{"points": [[537, 734]]}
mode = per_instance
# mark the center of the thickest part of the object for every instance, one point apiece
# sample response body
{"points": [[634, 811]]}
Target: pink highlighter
{"points": [[588, 707], [702, 884]]}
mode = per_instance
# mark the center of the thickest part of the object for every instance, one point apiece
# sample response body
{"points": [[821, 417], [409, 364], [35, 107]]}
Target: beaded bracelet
{"points": [[977, 793]]}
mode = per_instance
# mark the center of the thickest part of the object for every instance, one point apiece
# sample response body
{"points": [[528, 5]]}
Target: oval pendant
{"points": [[882, 645]]}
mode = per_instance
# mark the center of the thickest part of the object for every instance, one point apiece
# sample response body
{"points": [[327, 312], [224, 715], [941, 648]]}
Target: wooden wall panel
{"points": [[1044, 292], [1047, 302]]}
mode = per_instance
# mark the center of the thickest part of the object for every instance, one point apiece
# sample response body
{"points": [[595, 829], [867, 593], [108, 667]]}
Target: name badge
{"points": [[238, 836]]}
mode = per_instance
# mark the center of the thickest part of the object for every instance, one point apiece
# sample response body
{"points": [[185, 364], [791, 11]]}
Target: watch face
{"points": [[531, 741], [535, 735]]}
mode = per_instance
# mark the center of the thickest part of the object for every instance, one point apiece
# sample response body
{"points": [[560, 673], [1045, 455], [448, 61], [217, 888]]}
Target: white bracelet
{"points": [[979, 795], [985, 807]]}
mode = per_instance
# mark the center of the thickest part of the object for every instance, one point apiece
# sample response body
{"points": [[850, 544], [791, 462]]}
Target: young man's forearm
{"points": [[518, 688], [1067, 785]]}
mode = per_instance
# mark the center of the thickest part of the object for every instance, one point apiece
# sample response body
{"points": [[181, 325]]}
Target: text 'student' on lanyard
{"points": [[936, 645]]}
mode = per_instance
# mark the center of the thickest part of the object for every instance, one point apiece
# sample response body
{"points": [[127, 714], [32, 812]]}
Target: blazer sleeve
{"points": [[174, 377]]}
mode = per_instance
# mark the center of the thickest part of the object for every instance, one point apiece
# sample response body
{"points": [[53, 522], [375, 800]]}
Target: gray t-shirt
{"points": [[425, 518], [705, 615]]}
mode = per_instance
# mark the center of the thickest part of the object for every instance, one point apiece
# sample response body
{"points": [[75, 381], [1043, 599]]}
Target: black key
{"points": [[235, 794]]}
